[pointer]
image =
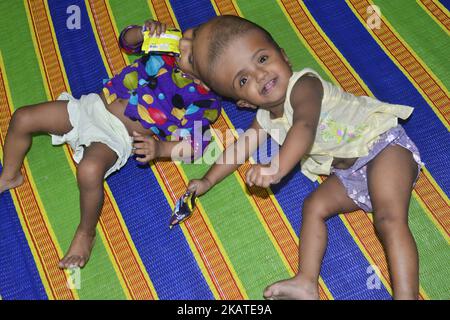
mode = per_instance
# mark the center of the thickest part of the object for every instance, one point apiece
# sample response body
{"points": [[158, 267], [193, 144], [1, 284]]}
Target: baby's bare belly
{"points": [[343, 163], [117, 108]]}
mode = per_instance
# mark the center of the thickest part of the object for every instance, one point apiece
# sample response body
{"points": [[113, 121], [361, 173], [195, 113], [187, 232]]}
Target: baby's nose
{"points": [[261, 74]]}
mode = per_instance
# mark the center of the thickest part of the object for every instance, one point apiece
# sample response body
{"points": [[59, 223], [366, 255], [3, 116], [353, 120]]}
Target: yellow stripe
{"points": [[114, 25], [172, 14], [432, 16], [97, 39], [404, 71], [216, 10], [39, 266]]}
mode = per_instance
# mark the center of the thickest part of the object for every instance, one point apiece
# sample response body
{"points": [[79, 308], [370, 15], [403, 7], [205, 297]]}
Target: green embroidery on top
{"points": [[332, 131]]}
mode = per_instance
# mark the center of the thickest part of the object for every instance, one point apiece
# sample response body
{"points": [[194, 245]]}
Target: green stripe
{"points": [[49, 166], [244, 239], [434, 253], [417, 28]]}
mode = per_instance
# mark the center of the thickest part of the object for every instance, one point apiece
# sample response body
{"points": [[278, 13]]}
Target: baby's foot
{"points": [[292, 289], [6, 184], [79, 251]]}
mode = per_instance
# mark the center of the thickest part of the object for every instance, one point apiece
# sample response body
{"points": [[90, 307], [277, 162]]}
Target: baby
{"points": [[356, 141], [157, 96]]}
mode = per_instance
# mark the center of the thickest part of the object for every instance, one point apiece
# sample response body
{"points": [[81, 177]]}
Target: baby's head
{"points": [[239, 59]]}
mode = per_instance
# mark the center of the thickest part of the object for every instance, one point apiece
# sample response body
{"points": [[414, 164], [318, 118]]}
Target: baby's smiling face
{"points": [[250, 69]]}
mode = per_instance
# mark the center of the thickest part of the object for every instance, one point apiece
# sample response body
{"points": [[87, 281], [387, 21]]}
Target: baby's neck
{"points": [[276, 112]]}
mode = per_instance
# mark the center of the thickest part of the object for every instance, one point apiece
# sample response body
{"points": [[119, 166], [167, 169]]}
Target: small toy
{"points": [[183, 208], [166, 43]]}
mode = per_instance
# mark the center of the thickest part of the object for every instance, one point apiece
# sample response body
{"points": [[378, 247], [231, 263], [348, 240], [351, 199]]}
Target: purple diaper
{"points": [[354, 178]]}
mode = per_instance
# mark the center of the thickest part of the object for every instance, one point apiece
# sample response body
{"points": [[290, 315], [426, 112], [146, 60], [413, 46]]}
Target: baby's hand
{"points": [[199, 186], [145, 145], [155, 28], [262, 176]]}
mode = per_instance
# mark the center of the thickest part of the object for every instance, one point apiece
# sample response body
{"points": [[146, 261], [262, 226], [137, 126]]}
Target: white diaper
{"points": [[92, 122]]}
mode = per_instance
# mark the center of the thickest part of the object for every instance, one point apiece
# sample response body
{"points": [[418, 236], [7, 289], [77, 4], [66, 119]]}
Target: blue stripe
{"points": [[19, 277], [290, 194], [165, 254], [83, 64], [387, 83], [192, 13], [446, 4]]}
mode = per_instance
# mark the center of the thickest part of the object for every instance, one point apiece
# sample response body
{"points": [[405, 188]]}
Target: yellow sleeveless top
{"points": [[348, 125]]}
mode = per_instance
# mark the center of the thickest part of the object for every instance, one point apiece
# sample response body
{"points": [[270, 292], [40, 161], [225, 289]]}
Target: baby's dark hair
{"points": [[226, 29]]}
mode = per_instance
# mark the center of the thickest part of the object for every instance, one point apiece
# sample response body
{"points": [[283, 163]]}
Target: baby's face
{"points": [[251, 69], [185, 60]]}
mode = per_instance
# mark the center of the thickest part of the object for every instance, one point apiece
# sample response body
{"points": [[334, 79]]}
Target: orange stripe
{"points": [[323, 50], [29, 209], [129, 269], [437, 12], [437, 95], [162, 12], [359, 221], [269, 211], [226, 7], [205, 243], [43, 34], [436, 205]]}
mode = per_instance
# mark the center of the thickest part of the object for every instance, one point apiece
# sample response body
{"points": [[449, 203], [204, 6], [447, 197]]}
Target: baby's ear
{"points": [[245, 104], [286, 58]]}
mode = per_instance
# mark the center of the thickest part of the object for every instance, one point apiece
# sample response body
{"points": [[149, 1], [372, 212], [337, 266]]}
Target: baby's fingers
{"points": [[249, 178], [144, 159]]}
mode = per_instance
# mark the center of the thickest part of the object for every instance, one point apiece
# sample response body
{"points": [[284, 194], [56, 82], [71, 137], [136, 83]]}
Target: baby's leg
{"points": [[50, 117], [97, 159], [390, 179], [329, 199]]}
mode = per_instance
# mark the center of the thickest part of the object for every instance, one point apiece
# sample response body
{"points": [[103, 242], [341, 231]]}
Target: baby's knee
{"points": [[315, 207], [390, 218], [21, 119], [90, 174]]}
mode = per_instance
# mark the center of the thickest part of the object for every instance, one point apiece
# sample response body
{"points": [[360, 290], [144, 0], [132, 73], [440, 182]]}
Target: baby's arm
{"points": [[231, 159], [131, 37], [306, 98]]}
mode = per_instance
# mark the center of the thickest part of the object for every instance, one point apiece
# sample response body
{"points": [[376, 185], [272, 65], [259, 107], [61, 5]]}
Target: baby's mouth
{"points": [[268, 86]]}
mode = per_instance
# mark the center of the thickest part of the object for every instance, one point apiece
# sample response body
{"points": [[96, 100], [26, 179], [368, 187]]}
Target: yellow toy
{"points": [[166, 43]]}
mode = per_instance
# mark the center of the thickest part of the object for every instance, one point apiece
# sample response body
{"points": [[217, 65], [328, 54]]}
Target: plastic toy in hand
{"points": [[166, 43], [183, 208]]}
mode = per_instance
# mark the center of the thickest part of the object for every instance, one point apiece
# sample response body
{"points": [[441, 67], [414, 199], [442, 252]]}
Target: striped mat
{"points": [[238, 241]]}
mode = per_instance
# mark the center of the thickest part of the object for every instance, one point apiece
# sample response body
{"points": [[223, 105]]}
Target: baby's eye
{"points": [[190, 59], [242, 82], [263, 59]]}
